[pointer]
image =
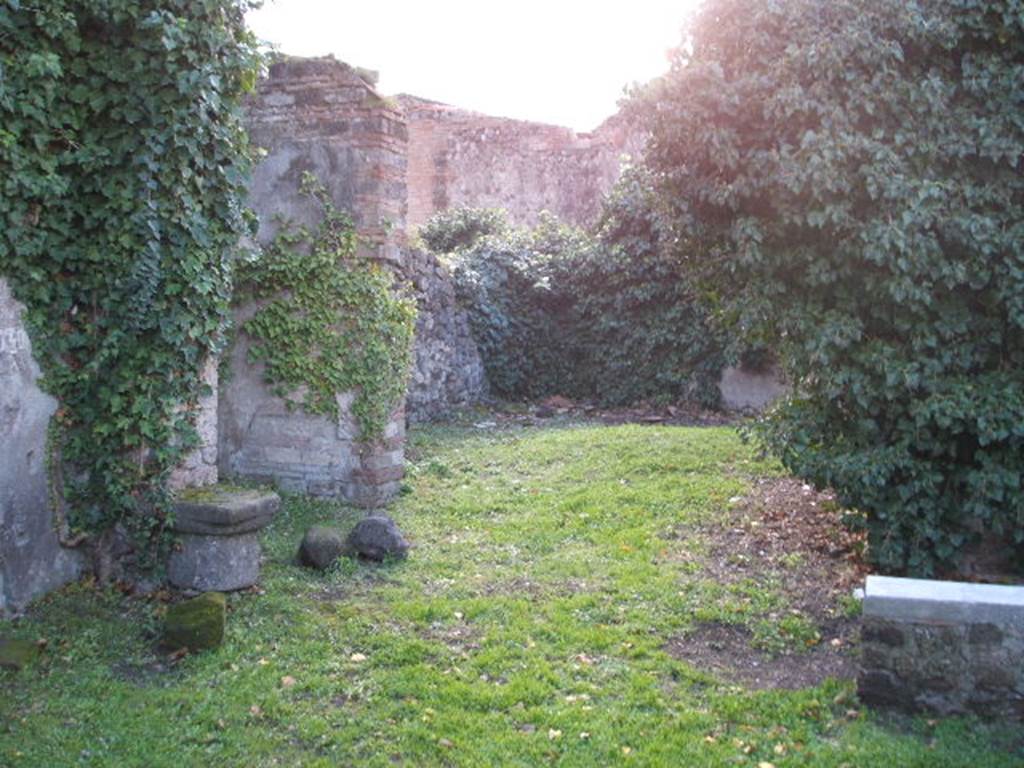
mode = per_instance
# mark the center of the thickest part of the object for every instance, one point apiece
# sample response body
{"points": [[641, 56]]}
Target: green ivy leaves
{"points": [[852, 174], [123, 163], [328, 322]]}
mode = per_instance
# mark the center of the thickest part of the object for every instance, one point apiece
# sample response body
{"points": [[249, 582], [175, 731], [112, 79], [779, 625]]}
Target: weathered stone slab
{"points": [[32, 562], [219, 512], [743, 390], [889, 597]]}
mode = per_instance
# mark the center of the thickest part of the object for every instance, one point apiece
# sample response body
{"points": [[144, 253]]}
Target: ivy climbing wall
{"points": [[317, 118]]}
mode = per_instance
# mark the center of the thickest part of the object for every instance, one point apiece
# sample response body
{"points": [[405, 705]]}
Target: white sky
{"points": [[555, 61]]}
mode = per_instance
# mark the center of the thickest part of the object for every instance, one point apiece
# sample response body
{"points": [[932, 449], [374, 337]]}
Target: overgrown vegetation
{"points": [[123, 166], [852, 172], [528, 627], [327, 321], [606, 316]]}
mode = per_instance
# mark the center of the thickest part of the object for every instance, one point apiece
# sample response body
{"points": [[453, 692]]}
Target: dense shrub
{"points": [[459, 228], [642, 328], [607, 316], [508, 282], [853, 171]]}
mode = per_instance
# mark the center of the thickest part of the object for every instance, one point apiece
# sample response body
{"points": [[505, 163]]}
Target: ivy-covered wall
{"points": [[317, 119], [122, 167]]}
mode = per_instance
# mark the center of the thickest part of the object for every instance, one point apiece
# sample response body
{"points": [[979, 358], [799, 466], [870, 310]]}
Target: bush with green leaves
{"points": [[609, 316], [123, 166], [852, 170], [459, 228], [643, 329], [507, 281]]}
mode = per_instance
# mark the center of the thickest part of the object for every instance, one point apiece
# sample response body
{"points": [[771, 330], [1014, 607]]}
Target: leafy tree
{"points": [[643, 328], [852, 171]]}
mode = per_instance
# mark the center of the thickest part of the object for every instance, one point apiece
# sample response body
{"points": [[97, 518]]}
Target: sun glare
{"points": [[561, 61]]}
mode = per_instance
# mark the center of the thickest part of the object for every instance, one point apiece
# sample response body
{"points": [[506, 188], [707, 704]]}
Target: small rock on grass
{"points": [[320, 547], [196, 624], [375, 538], [17, 654]]}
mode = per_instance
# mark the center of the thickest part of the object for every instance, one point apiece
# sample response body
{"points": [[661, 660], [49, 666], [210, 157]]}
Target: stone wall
{"points": [[318, 116], [447, 370], [457, 157], [200, 466], [943, 647], [32, 561]]}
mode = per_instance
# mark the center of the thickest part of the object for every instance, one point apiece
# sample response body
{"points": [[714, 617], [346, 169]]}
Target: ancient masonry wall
{"points": [[447, 370], [318, 116], [457, 157], [32, 561]]}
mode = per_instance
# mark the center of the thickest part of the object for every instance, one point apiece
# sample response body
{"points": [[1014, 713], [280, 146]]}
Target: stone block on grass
{"points": [[196, 624], [17, 654], [218, 532], [321, 547], [375, 538]]}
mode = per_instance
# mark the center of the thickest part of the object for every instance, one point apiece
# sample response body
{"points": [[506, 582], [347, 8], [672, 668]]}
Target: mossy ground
{"points": [[528, 627]]}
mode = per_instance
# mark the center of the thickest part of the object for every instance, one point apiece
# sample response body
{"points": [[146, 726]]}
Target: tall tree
{"points": [[852, 173]]}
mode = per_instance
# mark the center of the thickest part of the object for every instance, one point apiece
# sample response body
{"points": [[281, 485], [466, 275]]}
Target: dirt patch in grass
{"points": [[726, 651], [786, 531], [790, 538]]}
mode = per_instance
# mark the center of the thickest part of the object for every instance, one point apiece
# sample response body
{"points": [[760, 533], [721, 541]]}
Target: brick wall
{"points": [[457, 157]]}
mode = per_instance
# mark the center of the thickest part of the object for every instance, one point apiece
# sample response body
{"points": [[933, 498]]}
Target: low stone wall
{"points": [[447, 370], [32, 561], [943, 647]]}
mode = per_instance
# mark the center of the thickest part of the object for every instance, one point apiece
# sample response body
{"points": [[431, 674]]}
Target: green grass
{"points": [[526, 628]]}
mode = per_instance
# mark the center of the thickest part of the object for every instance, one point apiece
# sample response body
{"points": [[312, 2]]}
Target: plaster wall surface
{"points": [[32, 561]]}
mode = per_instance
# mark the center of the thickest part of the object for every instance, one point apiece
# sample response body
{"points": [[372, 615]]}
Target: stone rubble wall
{"points": [[457, 158], [447, 369], [32, 562], [943, 647]]}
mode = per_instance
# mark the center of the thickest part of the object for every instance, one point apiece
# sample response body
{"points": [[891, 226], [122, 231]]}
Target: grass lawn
{"points": [[531, 625]]}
